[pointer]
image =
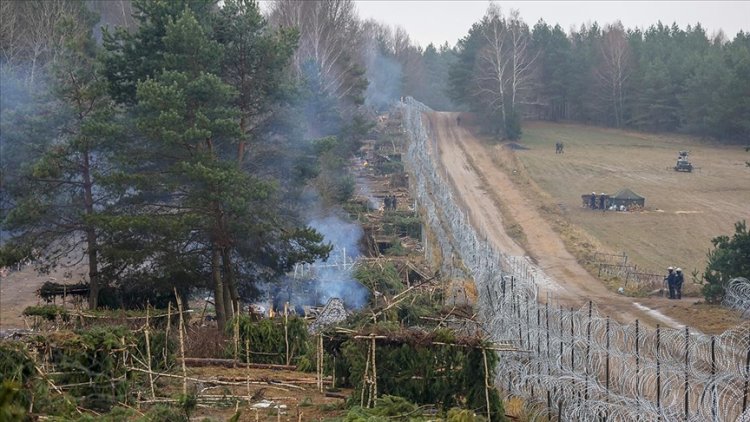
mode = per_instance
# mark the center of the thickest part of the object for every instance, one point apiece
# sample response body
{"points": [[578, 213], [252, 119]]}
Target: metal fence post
{"points": [[747, 380], [658, 369]]}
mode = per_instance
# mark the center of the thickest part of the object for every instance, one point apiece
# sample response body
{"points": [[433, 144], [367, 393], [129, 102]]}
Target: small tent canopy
{"points": [[627, 198]]}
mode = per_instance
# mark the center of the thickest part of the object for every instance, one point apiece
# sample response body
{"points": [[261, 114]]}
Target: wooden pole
{"points": [[247, 366], [166, 334], [374, 374], [236, 330], [365, 382], [182, 342], [320, 362], [148, 353], [286, 330], [486, 385]]}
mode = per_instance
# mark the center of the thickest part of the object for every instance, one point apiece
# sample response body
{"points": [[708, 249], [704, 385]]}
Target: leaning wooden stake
{"points": [[166, 334], [486, 384], [148, 354], [182, 343], [365, 379]]}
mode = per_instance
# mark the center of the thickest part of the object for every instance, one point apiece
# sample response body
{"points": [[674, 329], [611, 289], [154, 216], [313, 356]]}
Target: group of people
{"points": [[674, 280], [598, 202], [390, 202], [559, 148]]}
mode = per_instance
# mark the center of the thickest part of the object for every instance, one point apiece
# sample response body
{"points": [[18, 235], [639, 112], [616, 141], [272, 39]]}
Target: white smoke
{"points": [[334, 276], [384, 76]]}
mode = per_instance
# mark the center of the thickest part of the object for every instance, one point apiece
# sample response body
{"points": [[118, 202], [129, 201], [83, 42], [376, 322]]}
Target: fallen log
{"points": [[231, 363], [337, 395], [272, 381]]}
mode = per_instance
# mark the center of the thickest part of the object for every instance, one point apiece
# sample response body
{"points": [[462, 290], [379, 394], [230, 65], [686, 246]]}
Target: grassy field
{"points": [[684, 211]]}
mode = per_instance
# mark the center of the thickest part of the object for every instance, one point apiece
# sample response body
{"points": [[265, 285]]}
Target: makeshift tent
{"points": [[627, 198]]}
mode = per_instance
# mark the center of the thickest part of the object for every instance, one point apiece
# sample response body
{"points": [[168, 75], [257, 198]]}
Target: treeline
{"points": [[175, 143], [663, 78]]}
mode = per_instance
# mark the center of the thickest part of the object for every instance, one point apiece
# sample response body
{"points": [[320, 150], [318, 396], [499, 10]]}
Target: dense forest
{"points": [[663, 78], [167, 143], [164, 149]]}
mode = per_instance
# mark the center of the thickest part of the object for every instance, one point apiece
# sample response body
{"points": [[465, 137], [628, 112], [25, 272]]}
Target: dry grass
{"points": [[684, 211], [576, 240]]}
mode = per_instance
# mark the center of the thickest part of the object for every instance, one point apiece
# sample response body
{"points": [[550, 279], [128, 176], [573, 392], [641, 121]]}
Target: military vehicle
{"points": [[683, 164]]}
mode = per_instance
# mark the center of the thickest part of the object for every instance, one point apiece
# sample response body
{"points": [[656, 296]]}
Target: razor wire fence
{"points": [[737, 295], [580, 364]]}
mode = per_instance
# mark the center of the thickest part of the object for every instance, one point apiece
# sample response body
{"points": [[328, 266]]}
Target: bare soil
{"points": [[491, 186], [291, 395], [18, 290]]}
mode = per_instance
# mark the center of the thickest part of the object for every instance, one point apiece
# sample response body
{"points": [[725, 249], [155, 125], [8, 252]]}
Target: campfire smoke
{"points": [[315, 285]]}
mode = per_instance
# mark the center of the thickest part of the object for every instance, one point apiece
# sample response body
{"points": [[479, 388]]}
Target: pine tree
{"points": [[57, 201], [195, 206]]}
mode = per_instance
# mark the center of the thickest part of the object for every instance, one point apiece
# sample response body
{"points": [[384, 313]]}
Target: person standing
{"points": [[678, 280], [670, 279]]}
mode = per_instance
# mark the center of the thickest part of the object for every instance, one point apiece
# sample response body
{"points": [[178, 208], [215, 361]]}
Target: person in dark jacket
{"points": [[670, 278], [678, 280]]}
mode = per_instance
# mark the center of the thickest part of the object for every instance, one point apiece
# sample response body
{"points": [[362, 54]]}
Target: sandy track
{"points": [[470, 169]]}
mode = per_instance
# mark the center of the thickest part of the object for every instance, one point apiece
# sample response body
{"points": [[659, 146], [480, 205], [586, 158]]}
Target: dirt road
{"points": [[480, 184]]}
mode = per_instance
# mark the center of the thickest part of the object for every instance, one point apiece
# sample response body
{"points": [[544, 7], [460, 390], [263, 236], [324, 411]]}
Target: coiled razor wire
{"points": [[737, 295], [579, 364]]}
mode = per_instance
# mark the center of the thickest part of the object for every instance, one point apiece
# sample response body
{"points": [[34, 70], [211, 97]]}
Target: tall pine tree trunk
{"points": [[91, 241], [229, 280], [221, 316], [228, 303], [93, 269]]}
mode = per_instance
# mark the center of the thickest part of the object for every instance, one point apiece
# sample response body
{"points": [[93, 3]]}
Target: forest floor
{"points": [[515, 197]]}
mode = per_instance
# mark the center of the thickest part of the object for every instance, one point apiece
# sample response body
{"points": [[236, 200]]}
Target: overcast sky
{"points": [[441, 21]]}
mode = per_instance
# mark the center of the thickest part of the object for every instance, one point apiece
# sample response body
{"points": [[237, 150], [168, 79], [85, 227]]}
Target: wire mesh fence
{"points": [[579, 364]]}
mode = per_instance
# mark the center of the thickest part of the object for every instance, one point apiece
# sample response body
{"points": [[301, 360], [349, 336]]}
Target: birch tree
{"points": [[504, 66], [614, 70], [32, 34], [329, 33]]}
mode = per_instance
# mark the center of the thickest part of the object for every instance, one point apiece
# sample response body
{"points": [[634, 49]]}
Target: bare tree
{"points": [[493, 62], [329, 34], [9, 32], [614, 69], [505, 62], [522, 59], [32, 34]]}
